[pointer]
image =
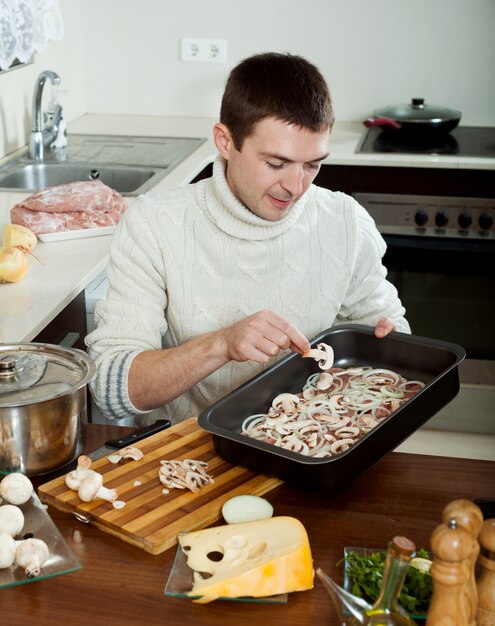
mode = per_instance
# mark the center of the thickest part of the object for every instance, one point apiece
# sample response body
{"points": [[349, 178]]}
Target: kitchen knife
{"points": [[112, 445]]}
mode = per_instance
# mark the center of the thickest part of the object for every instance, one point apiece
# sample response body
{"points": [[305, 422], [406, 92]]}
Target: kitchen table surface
{"points": [[122, 584]]}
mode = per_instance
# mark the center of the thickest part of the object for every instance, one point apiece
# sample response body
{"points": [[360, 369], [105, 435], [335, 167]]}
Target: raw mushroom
{"points": [[324, 381], [31, 554], [91, 488], [73, 479], [287, 402], [16, 488], [323, 353], [7, 550], [131, 452], [88, 483], [187, 474], [11, 519]]}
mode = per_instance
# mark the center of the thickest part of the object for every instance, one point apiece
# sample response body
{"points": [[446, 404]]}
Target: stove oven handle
{"points": [[412, 242]]}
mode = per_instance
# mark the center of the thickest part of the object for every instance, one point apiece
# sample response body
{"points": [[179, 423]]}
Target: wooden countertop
{"points": [[121, 584]]}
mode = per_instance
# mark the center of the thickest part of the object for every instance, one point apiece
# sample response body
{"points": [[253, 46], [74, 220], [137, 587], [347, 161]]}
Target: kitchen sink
{"points": [[35, 176], [129, 164]]}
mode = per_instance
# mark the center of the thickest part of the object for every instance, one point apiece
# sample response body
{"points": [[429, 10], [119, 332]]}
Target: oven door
{"points": [[448, 289]]}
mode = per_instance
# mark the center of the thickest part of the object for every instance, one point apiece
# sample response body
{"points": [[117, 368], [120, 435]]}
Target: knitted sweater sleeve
{"points": [[131, 319], [369, 294]]}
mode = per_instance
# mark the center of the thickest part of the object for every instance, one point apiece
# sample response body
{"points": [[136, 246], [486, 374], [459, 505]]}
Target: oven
{"points": [[439, 226], [441, 257]]}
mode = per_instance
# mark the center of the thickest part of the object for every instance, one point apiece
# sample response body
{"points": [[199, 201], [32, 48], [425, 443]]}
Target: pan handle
{"points": [[384, 122]]}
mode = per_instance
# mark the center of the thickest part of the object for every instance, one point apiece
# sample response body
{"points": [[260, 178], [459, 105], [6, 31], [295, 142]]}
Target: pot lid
{"points": [[418, 111], [34, 372]]}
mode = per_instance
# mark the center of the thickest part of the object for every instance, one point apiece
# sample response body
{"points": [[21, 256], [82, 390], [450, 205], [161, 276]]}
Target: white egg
{"points": [[246, 509]]}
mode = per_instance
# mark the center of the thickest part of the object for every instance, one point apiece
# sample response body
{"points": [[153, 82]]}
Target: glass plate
{"points": [[348, 579], [180, 582], [38, 524]]}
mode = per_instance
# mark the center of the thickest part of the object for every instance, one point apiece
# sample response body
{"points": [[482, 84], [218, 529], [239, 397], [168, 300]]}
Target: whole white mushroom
{"points": [[91, 488], [7, 550], [31, 554], [16, 488], [11, 519], [73, 479]]}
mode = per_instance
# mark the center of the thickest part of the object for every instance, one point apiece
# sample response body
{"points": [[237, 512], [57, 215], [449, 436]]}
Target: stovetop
{"points": [[476, 141]]}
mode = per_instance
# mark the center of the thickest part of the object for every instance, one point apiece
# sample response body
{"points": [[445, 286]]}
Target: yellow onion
{"points": [[13, 265], [17, 236]]}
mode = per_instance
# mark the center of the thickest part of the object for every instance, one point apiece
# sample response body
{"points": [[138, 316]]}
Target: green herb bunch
{"points": [[365, 573]]}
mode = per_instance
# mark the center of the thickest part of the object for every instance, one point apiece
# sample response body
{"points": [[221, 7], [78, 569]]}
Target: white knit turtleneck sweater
{"points": [[194, 260]]}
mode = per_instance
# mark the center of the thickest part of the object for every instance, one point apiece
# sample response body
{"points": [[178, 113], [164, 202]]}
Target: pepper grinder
{"points": [[470, 517], [486, 581], [452, 548]]}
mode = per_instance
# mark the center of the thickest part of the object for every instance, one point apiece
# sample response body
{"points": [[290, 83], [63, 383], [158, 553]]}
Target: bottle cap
{"points": [[403, 547]]}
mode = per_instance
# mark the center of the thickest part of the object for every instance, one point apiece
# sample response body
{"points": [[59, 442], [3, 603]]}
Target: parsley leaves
{"points": [[366, 571]]}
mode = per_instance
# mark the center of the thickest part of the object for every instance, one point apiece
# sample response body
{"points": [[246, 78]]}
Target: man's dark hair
{"points": [[283, 86]]}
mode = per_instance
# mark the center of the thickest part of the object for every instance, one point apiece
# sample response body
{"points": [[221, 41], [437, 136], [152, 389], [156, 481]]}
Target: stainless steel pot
{"points": [[43, 406], [416, 117]]}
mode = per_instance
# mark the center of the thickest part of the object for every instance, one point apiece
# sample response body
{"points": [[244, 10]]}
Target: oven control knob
{"points": [[485, 221], [441, 219], [465, 220], [421, 217]]}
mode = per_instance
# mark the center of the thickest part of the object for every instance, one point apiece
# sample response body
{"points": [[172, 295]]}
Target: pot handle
{"points": [[384, 122]]}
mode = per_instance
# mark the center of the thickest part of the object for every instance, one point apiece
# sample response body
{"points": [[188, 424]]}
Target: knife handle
{"points": [[137, 435]]}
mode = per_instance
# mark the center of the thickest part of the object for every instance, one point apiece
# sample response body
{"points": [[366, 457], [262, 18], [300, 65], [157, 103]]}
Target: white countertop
{"points": [[67, 267]]}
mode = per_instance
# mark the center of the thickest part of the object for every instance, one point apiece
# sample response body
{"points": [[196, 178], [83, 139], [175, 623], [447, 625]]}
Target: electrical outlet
{"points": [[201, 50]]}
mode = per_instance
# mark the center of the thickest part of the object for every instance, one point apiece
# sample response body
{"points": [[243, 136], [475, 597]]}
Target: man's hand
{"points": [[261, 336], [255, 338], [383, 327]]}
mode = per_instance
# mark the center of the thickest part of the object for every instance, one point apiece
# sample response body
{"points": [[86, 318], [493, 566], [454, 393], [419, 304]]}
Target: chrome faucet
{"points": [[43, 137]]}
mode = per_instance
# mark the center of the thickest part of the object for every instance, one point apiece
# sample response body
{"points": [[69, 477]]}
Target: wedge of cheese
{"points": [[257, 559]]}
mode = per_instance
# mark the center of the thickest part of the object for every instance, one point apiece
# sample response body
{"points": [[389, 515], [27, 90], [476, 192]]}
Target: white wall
{"points": [[373, 52], [122, 56]]}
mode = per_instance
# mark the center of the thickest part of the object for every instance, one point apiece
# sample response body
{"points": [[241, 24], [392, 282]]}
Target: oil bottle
{"points": [[386, 610]]}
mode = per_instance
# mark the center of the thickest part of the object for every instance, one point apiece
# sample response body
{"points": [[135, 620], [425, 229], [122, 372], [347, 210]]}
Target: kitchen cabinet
{"points": [[68, 329]]}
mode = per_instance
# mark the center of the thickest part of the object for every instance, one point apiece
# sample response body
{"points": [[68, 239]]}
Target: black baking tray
{"points": [[416, 358]]}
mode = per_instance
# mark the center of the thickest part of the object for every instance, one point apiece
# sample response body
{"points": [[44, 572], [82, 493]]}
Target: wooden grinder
{"points": [[453, 547], [470, 517], [486, 581]]}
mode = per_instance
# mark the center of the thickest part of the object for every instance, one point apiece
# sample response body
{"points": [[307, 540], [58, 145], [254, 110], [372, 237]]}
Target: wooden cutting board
{"points": [[151, 519]]}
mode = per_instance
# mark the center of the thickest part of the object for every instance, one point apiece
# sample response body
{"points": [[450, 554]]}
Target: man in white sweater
{"points": [[212, 282]]}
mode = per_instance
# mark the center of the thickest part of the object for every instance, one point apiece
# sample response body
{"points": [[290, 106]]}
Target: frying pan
{"points": [[415, 117]]}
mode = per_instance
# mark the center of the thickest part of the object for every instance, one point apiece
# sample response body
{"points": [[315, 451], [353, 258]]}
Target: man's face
{"points": [[276, 165]]}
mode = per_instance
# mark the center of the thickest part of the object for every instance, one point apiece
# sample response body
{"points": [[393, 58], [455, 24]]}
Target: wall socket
{"points": [[201, 50]]}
